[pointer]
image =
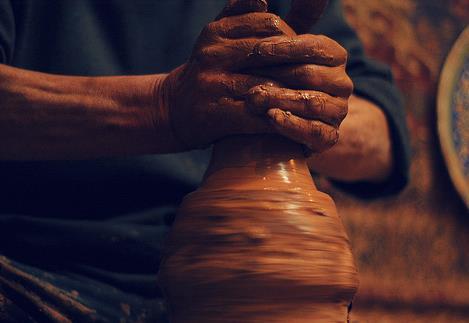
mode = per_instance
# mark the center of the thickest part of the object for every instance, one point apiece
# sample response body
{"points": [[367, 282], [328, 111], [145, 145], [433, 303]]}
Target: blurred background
{"points": [[412, 250]]}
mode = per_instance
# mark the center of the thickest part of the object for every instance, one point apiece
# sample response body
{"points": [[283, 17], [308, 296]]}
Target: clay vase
{"points": [[258, 242]]}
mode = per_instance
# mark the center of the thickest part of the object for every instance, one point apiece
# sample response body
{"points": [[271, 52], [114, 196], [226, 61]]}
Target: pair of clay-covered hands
{"points": [[253, 72]]}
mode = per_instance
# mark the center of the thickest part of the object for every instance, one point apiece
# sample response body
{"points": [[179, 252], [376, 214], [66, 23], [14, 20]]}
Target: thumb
{"points": [[239, 7], [304, 14]]}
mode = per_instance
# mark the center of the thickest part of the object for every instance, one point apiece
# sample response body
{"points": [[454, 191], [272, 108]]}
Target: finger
{"points": [[304, 14], [231, 116], [311, 105], [315, 135], [331, 80], [239, 7], [251, 25], [229, 55], [251, 52], [316, 49], [231, 85], [223, 117]]}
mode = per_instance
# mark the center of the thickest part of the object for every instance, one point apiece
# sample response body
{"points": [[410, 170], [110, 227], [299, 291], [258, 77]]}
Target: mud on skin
{"points": [[249, 67], [257, 242]]}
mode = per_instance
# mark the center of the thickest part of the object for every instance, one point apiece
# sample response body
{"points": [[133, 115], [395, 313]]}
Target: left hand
{"points": [[313, 99]]}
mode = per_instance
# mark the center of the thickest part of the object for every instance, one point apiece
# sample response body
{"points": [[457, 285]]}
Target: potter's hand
{"points": [[205, 98], [313, 101]]}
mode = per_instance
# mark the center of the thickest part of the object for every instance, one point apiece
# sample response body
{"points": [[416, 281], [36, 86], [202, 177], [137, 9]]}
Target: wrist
{"points": [[161, 111]]}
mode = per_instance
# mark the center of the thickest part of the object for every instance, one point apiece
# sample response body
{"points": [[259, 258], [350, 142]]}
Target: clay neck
{"points": [[256, 162]]}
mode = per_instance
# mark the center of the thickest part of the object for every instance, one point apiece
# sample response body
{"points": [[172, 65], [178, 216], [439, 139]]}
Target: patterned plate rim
{"points": [[452, 67]]}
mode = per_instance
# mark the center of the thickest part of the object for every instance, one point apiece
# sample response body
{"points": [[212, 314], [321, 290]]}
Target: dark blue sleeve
{"points": [[7, 32], [373, 81]]}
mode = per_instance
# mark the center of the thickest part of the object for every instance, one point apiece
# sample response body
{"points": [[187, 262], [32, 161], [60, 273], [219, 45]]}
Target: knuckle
{"points": [[343, 83], [304, 73], [319, 41], [345, 87], [322, 137], [308, 103], [348, 86], [214, 84], [258, 90], [203, 81], [308, 69], [338, 53], [343, 111], [207, 54], [343, 54], [259, 96], [316, 104], [273, 22], [280, 117], [227, 85]]}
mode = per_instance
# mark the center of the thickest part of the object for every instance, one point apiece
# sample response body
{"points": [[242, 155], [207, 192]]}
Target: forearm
{"points": [[364, 149], [45, 116]]}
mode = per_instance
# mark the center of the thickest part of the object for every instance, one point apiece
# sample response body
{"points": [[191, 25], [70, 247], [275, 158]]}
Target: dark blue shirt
{"points": [[106, 218]]}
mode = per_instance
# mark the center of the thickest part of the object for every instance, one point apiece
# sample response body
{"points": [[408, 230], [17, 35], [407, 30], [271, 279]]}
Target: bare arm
{"points": [[61, 117], [364, 149], [45, 116]]}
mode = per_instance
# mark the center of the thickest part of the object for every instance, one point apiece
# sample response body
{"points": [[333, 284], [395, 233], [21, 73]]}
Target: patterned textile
{"points": [[30, 295]]}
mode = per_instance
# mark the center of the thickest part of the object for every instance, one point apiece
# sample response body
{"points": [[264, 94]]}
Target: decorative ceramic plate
{"points": [[453, 114]]}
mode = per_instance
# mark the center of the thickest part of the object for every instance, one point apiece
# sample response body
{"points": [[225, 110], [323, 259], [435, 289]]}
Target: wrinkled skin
{"points": [[250, 72]]}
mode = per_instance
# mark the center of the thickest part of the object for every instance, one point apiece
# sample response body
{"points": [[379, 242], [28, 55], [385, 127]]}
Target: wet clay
{"points": [[257, 242]]}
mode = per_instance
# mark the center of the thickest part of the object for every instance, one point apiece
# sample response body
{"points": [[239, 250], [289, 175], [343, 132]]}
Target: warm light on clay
{"points": [[257, 242]]}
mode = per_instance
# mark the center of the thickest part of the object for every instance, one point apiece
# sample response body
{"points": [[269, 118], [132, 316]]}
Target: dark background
{"points": [[411, 249]]}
